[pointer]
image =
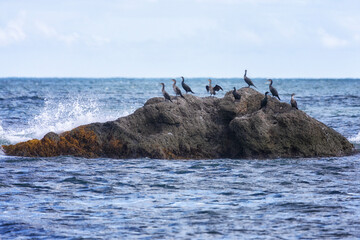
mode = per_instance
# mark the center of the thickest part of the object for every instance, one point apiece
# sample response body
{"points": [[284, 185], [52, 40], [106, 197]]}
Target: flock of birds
{"points": [[212, 90]]}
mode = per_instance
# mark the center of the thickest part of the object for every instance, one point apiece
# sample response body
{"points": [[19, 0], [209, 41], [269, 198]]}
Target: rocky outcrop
{"points": [[197, 128]]}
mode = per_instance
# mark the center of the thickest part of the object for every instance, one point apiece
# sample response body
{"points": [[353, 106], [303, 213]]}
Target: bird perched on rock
{"points": [[264, 101], [165, 94], [185, 86], [248, 80], [293, 101], [273, 91], [236, 95], [176, 89], [213, 90]]}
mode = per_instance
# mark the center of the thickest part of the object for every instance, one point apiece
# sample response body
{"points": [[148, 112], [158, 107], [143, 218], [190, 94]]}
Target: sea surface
{"points": [[75, 198]]}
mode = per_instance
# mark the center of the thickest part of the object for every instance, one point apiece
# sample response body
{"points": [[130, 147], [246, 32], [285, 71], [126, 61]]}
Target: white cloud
{"points": [[163, 29], [13, 31], [50, 32], [97, 40], [357, 37], [331, 41], [352, 26]]}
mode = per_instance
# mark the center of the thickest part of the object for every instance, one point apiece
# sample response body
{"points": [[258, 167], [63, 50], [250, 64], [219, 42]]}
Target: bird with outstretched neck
{"points": [[273, 91], [248, 80], [213, 90], [165, 94], [185, 86], [176, 89], [264, 101], [293, 101], [236, 95]]}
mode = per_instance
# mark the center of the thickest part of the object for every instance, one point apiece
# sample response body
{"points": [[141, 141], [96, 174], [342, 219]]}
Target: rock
{"points": [[52, 137], [197, 128]]}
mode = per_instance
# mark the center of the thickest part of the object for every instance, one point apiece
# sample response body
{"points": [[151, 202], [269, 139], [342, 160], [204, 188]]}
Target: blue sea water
{"points": [[76, 198]]}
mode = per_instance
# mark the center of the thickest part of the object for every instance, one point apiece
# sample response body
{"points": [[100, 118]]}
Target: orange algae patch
{"points": [[78, 142], [46, 148], [168, 154], [115, 148]]}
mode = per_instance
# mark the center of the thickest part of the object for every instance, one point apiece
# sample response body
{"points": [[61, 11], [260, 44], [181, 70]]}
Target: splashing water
{"points": [[355, 139], [30, 108], [58, 117], [63, 197]]}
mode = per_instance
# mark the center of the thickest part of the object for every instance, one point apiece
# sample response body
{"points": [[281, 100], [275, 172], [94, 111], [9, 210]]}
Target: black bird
{"points": [[185, 86], [273, 91], [165, 94], [248, 80], [293, 101], [213, 90], [264, 101], [237, 96], [176, 89]]}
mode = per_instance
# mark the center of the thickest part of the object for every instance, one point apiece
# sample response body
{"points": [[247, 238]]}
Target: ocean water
{"points": [[75, 198]]}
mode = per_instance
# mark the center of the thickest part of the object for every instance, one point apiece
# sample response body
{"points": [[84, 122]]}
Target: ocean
{"points": [[76, 198]]}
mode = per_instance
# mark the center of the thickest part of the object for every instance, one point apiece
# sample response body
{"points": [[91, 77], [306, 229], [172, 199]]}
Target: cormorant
{"points": [[237, 96], [185, 86], [248, 80], [273, 91], [293, 101], [213, 90], [176, 89], [165, 94], [264, 101]]}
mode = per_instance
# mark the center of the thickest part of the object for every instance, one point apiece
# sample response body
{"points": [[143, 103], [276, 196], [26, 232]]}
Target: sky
{"points": [[172, 38]]}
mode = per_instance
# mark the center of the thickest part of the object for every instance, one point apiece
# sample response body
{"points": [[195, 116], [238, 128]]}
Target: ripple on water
{"points": [[66, 197]]}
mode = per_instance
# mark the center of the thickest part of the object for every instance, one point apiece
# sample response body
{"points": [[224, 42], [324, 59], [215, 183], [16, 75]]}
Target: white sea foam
{"points": [[59, 117], [355, 139]]}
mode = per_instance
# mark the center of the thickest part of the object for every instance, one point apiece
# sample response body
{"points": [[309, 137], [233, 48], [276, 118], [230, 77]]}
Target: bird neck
{"points": [[163, 88]]}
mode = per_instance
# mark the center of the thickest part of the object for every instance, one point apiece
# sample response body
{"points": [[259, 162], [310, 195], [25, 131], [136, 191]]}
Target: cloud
{"points": [[331, 41], [96, 40], [13, 31], [160, 29], [72, 38], [50, 32]]}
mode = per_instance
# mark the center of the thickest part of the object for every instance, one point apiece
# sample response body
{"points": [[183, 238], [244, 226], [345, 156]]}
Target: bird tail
{"points": [[181, 95], [278, 97], [192, 92]]}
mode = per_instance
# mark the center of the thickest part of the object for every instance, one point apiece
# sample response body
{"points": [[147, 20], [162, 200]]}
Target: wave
{"points": [[355, 139], [60, 117]]}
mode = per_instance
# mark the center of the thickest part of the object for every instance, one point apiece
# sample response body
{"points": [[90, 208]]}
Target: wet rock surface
{"points": [[197, 128]]}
